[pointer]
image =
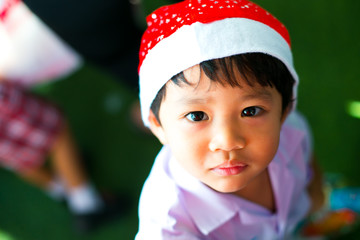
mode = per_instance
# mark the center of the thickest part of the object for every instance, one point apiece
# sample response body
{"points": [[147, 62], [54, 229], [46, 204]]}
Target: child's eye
{"points": [[197, 116], [251, 111]]}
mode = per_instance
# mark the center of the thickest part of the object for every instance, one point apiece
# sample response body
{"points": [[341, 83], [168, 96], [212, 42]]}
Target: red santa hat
{"points": [[182, 35]]}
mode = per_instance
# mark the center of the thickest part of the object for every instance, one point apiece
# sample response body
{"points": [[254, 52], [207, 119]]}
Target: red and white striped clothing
{"points": [[28, 127]]}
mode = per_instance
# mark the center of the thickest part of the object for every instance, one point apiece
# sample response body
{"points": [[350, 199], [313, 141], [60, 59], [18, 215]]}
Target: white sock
{"points": [[84, 199], [56, 190]]}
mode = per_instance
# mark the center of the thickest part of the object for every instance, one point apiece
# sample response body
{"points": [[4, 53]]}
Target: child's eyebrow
{"points": [[189, 100], [262, 94]]}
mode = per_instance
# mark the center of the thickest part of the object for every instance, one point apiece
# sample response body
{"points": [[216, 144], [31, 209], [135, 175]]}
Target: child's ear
{"points": [[156, 128]]}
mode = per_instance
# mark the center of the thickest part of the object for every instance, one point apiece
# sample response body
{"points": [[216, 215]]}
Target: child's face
{"points": [[224, 136]]}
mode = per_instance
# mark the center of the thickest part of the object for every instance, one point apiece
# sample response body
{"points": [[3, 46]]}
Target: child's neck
{"points": [[260, 191]]}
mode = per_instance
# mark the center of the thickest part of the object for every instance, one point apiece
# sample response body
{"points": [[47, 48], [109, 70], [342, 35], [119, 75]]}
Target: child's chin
{"points": [[227, 189]]}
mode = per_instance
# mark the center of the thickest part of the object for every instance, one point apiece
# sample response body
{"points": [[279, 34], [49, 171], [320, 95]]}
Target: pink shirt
{"points": [[175, 205]]}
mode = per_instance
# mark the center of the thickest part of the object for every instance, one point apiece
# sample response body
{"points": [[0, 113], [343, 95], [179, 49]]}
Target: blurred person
{"points": [[32, 129]]}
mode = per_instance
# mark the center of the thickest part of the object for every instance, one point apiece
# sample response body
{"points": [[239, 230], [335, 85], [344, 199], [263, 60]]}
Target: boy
{"points": [[217, 88]]}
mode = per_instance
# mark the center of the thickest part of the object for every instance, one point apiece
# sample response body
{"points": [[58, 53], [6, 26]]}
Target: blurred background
{"points": [[98, 99]]}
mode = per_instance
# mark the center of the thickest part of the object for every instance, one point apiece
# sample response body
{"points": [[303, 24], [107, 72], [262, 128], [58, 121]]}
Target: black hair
{"points": [[254, 68]]}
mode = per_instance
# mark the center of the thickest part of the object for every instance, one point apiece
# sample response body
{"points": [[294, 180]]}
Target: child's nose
{"points": [[227, 137]]}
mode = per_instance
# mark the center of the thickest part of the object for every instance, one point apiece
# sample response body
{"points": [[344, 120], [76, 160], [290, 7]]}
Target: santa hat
{"points": [[182, 35]]}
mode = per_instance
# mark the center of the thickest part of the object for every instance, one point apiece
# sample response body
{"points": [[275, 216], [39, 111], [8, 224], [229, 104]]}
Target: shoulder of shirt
{"points": [[296, 120], [296, 136], [159, 191], [160, 203]]}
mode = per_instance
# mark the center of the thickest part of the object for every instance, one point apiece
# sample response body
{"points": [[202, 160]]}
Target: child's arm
{"points": [[315, 187]]}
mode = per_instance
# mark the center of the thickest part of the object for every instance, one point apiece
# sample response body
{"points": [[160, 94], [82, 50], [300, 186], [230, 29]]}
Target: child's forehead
{"points": [[193, 74], [196, 80], [206, 91]]}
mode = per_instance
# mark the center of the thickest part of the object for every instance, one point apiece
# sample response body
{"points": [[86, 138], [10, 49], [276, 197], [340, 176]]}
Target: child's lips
{"points": [[228, 168]]}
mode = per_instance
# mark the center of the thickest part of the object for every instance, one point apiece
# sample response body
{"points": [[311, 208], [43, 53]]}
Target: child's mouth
{"points": [[228, 169]]}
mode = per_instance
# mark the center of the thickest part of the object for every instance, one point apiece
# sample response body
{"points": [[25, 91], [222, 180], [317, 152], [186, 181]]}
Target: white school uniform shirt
{"points": [[175, 205]]}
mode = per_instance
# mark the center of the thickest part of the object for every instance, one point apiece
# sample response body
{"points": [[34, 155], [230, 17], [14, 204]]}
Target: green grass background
{"points": [[325, 41]]}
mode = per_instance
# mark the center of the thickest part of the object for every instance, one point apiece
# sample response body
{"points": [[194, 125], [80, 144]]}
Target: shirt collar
{"points": [[196, 196]]}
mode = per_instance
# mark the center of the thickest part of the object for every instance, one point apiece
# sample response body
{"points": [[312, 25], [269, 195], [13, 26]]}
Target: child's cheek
{"points": [[189, 127]]}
